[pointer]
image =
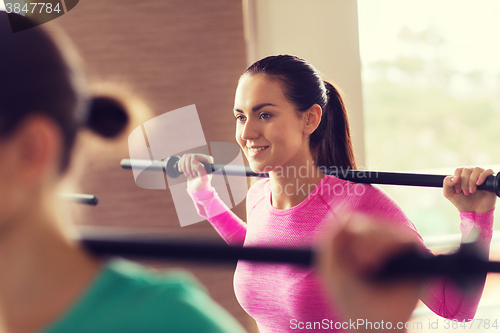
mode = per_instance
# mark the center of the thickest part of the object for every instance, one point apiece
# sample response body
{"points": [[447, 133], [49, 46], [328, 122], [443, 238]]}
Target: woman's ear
{"points": [[39, 146], [313, 119]]}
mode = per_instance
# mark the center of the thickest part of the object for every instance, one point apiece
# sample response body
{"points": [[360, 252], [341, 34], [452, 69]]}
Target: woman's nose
{"points": [[249, 131]]}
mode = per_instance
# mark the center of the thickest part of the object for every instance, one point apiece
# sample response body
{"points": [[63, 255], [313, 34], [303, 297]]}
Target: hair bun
{"points": [[108, 116]]}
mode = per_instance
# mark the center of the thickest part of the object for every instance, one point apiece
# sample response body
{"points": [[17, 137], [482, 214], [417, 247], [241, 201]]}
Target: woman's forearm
{"points": [[208, 204]]}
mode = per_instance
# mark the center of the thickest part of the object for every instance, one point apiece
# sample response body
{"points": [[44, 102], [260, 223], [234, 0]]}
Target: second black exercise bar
{"points": [[463, 266], [158, 249]]}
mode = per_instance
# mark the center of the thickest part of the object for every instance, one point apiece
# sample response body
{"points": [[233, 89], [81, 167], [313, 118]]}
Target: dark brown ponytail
{"points": [[331, 143], [302, 84], [107, 116]]}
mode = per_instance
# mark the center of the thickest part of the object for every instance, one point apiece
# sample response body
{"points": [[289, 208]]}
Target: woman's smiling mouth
{"points": [[254, 150]]}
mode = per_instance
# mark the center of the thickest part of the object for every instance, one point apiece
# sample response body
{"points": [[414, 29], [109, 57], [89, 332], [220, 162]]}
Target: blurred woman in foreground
{"points": [[48, 282]]}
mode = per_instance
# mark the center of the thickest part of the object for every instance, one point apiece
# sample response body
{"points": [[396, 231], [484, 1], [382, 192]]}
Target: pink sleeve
{"points": [[208, 204], [443, 296]]}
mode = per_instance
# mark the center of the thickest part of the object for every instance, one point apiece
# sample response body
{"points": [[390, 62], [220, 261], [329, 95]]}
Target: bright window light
{"points": [[431, 89]]}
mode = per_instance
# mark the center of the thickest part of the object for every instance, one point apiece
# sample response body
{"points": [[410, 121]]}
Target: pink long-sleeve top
{"points": [[283, 297]]}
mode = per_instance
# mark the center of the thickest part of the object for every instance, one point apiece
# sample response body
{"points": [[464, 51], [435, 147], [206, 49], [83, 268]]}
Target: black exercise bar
{"points": [[169, 166], [84, 199]]}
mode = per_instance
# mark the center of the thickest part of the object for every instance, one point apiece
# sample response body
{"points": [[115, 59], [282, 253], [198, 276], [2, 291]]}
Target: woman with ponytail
{"points": [[48, 282], [288, 119]]}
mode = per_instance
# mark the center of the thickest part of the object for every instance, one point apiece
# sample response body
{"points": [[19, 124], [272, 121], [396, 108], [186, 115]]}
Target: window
{"points": [[431, 87]]}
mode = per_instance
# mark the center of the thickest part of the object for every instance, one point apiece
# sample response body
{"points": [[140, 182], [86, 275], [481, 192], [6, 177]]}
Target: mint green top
{"points": [[125, 297]]}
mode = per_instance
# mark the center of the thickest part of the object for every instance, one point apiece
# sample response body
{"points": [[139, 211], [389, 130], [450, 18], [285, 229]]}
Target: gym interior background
{"points": [[176, 53]]}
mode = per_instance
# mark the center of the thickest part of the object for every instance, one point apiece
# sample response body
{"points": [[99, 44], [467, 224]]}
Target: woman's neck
{"points": [[291, 184], [41, 272]]}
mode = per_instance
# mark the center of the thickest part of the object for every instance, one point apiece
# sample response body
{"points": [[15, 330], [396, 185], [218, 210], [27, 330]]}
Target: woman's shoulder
{"points": [[333, 188], [132, 274], [338, 186], [367, 198], [174, 299], [129, 297], [158, 288]]}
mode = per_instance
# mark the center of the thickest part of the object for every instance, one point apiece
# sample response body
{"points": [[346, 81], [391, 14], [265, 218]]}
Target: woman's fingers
{"points": [[197, 164], [451, 184], [464, 195], [199, 168], [458, 175], [464, 180], [204, 158], [483, 175], [184, 165], [191, 164], [474, 176], [180, 164]]}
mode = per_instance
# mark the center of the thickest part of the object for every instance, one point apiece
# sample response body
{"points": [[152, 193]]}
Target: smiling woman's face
{"points": [[268, 128]]}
